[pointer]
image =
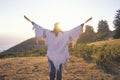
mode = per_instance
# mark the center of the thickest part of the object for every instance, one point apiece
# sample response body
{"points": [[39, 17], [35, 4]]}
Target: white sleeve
{"points": [[75, 32], [39, 31]]}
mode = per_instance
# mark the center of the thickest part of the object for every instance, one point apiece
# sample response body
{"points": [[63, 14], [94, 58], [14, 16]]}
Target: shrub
{"points": [[102, 55]]}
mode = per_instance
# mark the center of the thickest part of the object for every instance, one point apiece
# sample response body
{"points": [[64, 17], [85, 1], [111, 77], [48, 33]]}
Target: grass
{"points": [[105, 42], [36, 68], [81, 65]]}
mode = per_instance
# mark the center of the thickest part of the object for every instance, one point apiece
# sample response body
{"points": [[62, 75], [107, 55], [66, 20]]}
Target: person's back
{"points": [[57, 46]]}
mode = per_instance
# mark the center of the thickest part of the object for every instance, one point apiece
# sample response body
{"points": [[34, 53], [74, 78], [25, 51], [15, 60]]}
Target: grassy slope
{"points": [[29, 44], [36, 68], [110, 42]]}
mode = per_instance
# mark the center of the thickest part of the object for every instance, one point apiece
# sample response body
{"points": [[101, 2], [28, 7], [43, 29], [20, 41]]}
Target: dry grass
{"points": [[110, 42], [36, 68]]}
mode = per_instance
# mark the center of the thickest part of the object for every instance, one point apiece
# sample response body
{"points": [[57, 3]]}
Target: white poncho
{"points": [[57, 46]]}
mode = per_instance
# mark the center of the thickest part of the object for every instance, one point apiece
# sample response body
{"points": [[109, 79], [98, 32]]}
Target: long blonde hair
{"points": [[57, 29]]}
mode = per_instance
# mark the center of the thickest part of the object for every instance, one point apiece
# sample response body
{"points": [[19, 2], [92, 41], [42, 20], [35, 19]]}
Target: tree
{"points": [[89, 29], [116, 23], [103, 26], [103, 31], [87, 36]]}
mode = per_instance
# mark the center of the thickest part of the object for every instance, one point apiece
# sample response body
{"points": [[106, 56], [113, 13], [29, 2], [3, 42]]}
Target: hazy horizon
{"points": [[7, 42]]}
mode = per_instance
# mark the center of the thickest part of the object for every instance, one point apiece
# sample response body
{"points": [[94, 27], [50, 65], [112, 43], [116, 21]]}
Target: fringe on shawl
{"points": [[57, 64]]}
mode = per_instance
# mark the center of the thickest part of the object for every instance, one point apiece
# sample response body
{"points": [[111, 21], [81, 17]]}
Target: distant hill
{"points": [[28, 45], [110, 35]]}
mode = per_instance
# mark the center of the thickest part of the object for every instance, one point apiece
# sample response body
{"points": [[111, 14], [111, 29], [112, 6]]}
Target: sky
{"points": [[14, 28]]}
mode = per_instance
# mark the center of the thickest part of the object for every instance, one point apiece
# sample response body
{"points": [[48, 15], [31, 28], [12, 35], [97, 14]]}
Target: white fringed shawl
{"points": [[57, 45]]}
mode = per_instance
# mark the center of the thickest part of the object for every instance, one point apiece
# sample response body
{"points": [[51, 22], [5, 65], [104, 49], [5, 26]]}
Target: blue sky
{"points": [[70, 13]]}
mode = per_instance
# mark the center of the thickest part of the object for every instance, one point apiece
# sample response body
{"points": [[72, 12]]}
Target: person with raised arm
{"points": [[57, 45]]}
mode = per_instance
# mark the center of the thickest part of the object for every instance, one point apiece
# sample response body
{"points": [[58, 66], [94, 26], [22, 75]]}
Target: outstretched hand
{"points": [[33, 23], [27, 19], [86, 21], [82, 25]]}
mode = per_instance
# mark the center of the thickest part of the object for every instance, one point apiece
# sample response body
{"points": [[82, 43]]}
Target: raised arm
{"points": [[75, 32], [29, 20], [39, 31]]}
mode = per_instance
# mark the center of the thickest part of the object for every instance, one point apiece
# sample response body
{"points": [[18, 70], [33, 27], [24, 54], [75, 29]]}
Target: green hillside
{"points": [[29, 44], [26, 48], [106, 54], [94, 61], [107, 42]]}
